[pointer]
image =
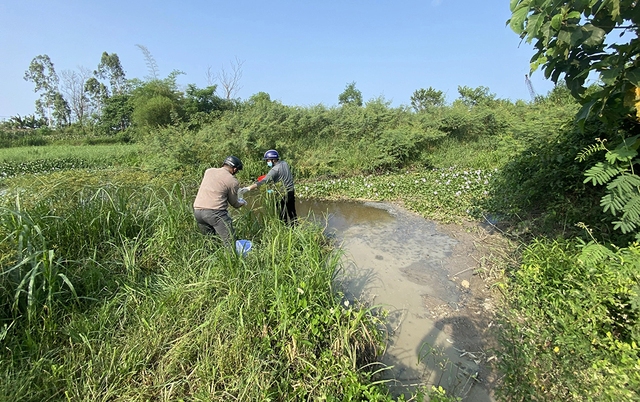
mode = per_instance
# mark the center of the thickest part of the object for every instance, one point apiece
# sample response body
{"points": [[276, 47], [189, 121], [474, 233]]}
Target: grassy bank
{"points": [[146, 308], [445, 195]]}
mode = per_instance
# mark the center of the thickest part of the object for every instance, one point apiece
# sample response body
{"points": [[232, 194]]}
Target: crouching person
{"points": [[218, 189]]}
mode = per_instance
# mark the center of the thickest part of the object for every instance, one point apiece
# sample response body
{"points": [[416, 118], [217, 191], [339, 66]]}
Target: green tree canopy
{"points": [[475, 96], [157, 102], [110, 69], [350, 96], [42, 73], [423, 99]]}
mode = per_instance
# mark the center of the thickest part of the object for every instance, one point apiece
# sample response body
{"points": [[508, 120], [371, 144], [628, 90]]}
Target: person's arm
{"points": [[270, 176], [232, 197]]}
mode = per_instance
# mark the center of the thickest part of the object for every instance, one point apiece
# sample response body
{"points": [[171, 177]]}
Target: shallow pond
{"points": [[402, 263]]}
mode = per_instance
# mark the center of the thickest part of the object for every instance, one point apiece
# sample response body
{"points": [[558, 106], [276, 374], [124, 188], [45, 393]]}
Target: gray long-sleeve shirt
{"points": [[279, 172]]}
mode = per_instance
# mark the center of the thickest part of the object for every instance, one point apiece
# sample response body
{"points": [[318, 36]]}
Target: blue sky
{"points": [[300, 52]]}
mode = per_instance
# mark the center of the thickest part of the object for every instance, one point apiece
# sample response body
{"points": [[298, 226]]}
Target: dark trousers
{"points": [[215, 222], [288, 208]]}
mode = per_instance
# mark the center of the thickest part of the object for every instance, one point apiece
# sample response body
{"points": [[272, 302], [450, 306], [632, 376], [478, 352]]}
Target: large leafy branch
{"points": [[569, 38], [570, 42]]}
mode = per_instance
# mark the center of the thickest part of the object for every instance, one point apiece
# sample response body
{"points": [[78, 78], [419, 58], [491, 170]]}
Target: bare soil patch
{"points": [[475, 265]]}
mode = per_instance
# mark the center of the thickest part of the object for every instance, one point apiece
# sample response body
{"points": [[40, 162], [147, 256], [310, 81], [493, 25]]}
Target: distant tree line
{"points": [[105, 102]]}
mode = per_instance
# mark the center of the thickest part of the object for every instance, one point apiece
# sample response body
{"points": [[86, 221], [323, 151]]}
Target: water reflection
{"points": [[341, 215]]}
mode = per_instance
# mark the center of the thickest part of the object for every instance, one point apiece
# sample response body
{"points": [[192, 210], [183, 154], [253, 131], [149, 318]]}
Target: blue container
{"points": [[243, 246]]}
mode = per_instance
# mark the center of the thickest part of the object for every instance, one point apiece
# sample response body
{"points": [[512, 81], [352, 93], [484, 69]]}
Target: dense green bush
{"points": [[542, 187], [321, 141], [571, 331], [20, 138]]}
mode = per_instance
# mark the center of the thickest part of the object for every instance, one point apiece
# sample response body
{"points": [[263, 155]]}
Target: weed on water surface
{"points": [[446, 195]]}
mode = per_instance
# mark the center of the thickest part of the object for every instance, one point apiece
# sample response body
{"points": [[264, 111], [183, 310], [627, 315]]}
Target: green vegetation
{"points": [[445, 195], [572, 329], [478, 158], [145, 308], [46, 159], [571, 321]]}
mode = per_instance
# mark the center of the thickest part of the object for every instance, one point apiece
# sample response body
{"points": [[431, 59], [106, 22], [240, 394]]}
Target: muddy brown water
{"points": [[421, 276]]}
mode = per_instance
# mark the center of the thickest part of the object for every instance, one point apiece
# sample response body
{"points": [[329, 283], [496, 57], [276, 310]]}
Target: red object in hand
{"points": [[261, 177]]}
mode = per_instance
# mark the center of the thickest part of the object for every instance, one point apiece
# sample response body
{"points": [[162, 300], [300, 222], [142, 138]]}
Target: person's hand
{"points": [[242, 202]]}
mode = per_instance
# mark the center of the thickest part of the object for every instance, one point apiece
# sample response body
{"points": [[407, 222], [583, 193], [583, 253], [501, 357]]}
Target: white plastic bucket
{"points": [[243, 246]]}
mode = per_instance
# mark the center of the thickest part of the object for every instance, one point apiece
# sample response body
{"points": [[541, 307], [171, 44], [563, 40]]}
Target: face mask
{"points": [[270, 164]]}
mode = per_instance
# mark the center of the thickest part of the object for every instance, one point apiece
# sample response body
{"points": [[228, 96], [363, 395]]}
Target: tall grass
{"points": [[142, 307], [571, 331], [89, 152], [32, 276]]}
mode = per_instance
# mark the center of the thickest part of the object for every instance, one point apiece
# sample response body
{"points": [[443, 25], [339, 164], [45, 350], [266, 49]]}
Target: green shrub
{"points": [[21, 138], [543, 187], [572, 329]]}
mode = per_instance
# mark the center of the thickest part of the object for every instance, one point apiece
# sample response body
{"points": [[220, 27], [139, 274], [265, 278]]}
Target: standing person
{"points": [[218, 189], [280, 172]]}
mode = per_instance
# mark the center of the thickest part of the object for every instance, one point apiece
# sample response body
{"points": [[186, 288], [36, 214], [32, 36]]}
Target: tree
{"points": [[350, 96], [74, 88], [157, 103], [116, 114], [230, 80], [42, 73], [424, 99], [110, 69], [570, 41], [203, 100], [61, 110], [475, 96], [97, 93], [259, 98], [26, 122]]}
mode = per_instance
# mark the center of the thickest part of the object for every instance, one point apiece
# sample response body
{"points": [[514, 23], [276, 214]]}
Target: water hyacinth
{"points": [[10, 169], [442, 194]]}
